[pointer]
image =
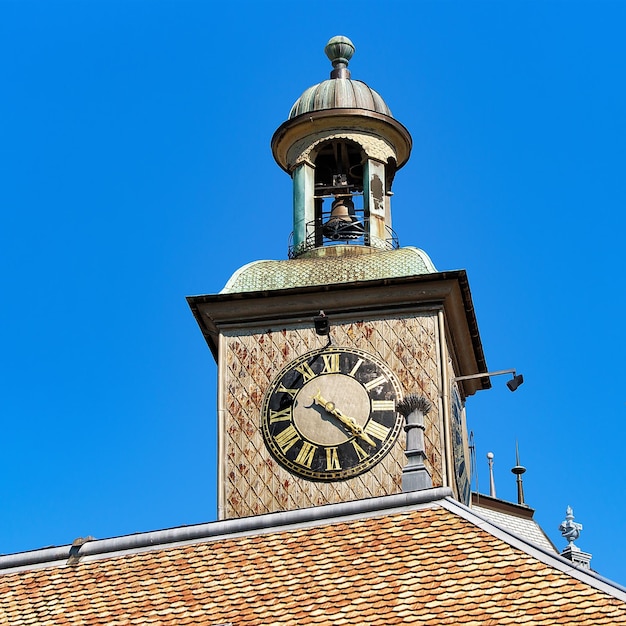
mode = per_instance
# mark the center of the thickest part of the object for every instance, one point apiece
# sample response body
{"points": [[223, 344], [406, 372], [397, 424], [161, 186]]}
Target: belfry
{"points": [[341, 144]]}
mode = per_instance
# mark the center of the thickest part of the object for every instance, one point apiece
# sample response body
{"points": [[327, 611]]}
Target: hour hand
{"points": [[329, 406], [350, 422]]}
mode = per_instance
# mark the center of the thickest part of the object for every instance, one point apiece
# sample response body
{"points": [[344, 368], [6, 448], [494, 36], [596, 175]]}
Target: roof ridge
{"points": [[551, 559]]}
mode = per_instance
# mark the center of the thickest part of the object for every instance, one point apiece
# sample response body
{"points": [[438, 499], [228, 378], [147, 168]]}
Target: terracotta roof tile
{"points": [[426, 567]]}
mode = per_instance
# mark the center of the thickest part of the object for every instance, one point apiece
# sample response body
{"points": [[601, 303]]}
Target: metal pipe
{"points": [[445, 400], [492, 482], [471, 376], [221, 427]]}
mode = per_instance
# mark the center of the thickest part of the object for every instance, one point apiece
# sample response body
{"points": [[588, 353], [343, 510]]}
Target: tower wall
{"points": [[253, 481]]}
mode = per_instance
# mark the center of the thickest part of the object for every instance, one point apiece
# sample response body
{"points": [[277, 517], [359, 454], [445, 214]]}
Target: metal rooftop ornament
{"points": [[339, 50], [569, 528], [571, 531], [492, 482], [518, 470]]}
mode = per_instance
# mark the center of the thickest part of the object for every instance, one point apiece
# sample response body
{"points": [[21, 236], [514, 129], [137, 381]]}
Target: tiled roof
{"points": [[526, 528], [428, 565], [514, 518], [301, 272]]}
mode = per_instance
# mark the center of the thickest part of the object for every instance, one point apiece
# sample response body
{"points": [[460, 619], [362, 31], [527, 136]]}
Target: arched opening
{"points": [[339, 166], [338, 191], [341, 197]]}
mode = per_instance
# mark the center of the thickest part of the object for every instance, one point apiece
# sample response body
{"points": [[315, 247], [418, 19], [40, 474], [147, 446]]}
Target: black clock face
{"points": [[331, 414], [458, 448]]}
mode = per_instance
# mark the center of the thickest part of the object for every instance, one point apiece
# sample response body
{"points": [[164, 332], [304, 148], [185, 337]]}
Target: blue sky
{"points": [[136, 170]]}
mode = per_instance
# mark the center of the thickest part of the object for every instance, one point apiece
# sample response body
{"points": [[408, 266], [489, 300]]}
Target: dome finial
{"points": [[339, 50]]}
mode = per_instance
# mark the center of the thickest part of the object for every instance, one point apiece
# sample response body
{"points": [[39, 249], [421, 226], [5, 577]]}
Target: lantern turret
{"points": [[342, 148]]}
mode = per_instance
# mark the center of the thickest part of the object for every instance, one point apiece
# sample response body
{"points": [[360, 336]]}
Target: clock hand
{"points": [[329, 406], [350, 422], [352, 425]]}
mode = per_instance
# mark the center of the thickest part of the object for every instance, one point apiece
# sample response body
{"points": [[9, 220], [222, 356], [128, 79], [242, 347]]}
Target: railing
{"points": [[329, 231]]}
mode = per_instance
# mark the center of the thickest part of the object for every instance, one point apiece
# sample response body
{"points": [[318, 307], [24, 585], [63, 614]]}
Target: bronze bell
{"points": [[342, 223], [342, 209]]}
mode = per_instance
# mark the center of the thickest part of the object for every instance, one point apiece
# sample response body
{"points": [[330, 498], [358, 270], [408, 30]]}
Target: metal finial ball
{"points": [[413, 402], [339, 50]]}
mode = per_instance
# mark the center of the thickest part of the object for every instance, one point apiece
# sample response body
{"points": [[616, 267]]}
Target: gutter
{"points": [[213, 531]]}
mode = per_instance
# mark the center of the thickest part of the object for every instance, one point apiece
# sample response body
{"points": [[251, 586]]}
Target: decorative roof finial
{"points": [[492, 482], [339, 50], [518, 470], [569, 528], [571, 531]]}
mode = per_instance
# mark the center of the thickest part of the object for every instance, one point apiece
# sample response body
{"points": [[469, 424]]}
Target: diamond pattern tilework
{"points": [[526, 528], [346, 268], [426, 567], [255, 483]]}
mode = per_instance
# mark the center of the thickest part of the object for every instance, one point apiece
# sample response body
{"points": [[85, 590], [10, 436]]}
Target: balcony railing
{"points": [[329, 231]]}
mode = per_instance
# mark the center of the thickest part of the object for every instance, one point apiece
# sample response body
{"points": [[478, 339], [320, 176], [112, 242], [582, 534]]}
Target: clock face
{"points": [[458, 448], [331, 414]]}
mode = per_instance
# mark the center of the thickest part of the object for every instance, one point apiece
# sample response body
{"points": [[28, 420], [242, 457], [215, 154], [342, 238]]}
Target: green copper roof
{"points": [[303, 272], [340, 92]]}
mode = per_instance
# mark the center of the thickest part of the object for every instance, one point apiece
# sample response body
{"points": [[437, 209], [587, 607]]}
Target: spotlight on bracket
{"points": [[515, 382], [322, 324], [512, 384]]}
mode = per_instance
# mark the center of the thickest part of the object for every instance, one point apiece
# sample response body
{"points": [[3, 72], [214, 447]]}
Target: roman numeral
{"points": [[306, 371], [381, 380], [332, 459], [306, 454], [286, 438], [360, 452], [383, 405], [376, 430], [280, 416], [291, 392], [355, 369], [331, 363]]}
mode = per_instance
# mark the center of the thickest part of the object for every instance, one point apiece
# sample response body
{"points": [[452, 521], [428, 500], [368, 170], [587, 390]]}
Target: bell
{"points": [[342, 209], [342, 223]]}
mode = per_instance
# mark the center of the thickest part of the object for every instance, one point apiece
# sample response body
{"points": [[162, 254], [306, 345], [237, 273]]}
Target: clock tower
{"points": [[316, 352]]}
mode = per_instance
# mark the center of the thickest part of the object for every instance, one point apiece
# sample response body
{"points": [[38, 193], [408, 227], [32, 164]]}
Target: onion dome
{"points": [[340, 91]]}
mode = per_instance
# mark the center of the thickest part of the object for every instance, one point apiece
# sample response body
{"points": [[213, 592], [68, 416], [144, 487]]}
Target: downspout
{"points": [[221, 427], [445, 399]]}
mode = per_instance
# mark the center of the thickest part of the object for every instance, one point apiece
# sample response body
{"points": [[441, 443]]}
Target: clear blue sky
{"points": [[136, 170]]}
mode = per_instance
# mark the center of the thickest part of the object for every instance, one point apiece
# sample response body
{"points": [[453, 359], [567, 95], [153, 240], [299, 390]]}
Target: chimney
{"points": [[415, 476]]}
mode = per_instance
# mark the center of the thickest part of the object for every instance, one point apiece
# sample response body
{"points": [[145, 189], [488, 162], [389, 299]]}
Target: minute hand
{"points": [[350, 422]]}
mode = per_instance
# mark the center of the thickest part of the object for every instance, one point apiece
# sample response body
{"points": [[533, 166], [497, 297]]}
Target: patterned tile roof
{"points": [[514, 518], [303, 272], [526, 528], [427, 565]]}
